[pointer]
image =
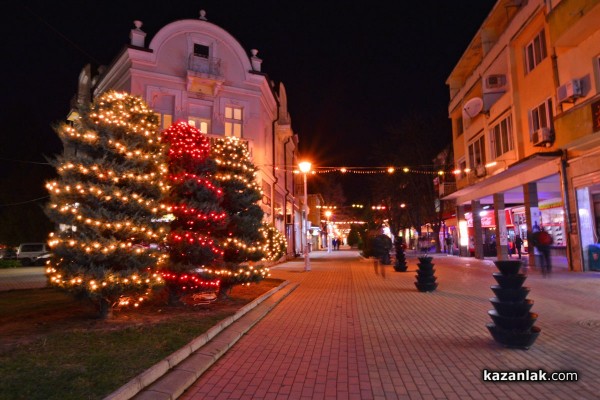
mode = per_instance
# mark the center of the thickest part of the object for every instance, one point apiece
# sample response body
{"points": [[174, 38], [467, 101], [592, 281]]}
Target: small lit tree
{"points": [[274, 245], [105, 201]]}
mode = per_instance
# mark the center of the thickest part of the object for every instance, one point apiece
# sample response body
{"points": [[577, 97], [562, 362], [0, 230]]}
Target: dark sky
{"points": [[350, 68]]}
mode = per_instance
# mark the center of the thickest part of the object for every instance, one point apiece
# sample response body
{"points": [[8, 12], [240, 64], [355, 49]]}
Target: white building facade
{"points": [[193, 70]]}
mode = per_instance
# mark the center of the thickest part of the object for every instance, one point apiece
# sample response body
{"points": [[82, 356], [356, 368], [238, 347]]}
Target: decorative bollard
{"points": [[513, 321], [400, 264], [426, 281]]}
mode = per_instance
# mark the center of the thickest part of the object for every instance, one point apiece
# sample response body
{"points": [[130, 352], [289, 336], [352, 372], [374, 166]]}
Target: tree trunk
{"points": [[106, 311]]}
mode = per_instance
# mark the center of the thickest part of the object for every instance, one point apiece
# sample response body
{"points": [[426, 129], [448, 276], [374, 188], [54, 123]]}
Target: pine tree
{"points": [[194, 200], [242, 238], [106, 200]]}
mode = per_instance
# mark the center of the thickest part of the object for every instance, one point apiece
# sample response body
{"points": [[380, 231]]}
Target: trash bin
{"points": [[594, 257]]}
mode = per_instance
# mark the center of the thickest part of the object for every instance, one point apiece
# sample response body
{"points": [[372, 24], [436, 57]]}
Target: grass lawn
{"points": [[52, 347]]}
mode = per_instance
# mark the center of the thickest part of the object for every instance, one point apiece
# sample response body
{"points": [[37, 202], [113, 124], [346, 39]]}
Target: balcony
{"points": [[205, 66], [204, 75], [573, 21]]}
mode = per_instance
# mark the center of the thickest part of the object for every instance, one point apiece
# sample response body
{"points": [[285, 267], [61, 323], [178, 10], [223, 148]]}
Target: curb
{"points": [[199, 354]]}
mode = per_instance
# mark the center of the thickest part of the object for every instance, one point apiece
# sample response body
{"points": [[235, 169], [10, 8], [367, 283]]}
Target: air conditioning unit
{"points": [[542, 137], [569, 91], [495, 81]]}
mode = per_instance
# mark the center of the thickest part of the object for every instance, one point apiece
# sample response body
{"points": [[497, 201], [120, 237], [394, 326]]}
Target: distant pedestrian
{"points": [[448, 244], [518, 245]]}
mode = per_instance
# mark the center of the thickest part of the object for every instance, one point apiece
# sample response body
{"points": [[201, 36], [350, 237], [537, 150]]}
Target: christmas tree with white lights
{"points": [[106, 203], [242, 237], [194, 200], [274, 243]]}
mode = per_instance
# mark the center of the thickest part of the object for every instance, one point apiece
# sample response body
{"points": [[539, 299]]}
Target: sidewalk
{"points": [[22, 278], [346, 332]]}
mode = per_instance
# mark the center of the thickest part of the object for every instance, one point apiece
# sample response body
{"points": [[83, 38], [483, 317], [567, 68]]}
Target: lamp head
{"points": [[304, 166]]}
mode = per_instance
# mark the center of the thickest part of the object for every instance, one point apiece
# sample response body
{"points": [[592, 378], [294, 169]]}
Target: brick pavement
{"points": [[346, 332]]}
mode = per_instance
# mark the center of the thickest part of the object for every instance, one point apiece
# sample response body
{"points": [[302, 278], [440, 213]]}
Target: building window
{"points": [[541, 116], [459, 126], [598, 73], [201, 50], [501, 137], [535, 51], [462, 166], [477, 152], [233, 121], [199, 123], [164, 120]]}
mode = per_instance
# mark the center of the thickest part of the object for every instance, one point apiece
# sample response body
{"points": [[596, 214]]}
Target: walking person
{"points": [[543, 241], [518, 245]]}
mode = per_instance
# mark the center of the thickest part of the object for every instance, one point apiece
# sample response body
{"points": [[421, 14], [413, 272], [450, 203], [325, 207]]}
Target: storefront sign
{"points": [[488, 220]]}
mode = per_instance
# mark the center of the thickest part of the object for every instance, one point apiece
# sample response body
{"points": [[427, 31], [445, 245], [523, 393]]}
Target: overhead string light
{"points": [[424, 170]]}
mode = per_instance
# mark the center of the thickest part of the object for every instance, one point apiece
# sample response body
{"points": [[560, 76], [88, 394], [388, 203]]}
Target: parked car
{"points": [[32, 254]]}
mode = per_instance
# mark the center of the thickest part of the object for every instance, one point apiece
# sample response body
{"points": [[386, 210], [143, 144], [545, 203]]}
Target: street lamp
{"points": [[305, 169], [328, 215]]}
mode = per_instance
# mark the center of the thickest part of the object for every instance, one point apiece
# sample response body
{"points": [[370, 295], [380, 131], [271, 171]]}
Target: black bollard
{"points": [[513, 321], [426, 281]]}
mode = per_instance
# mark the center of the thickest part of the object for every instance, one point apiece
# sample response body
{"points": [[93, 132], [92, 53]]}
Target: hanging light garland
{"points": [[377, 170]]}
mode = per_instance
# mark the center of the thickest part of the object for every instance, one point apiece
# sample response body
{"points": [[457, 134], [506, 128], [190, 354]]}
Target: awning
{"points": [[540, 167]]}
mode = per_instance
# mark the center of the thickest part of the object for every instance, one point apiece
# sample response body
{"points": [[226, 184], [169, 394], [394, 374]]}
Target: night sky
{"points": [[350, 69]]}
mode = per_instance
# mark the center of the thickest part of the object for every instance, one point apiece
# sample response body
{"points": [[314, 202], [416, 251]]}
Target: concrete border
{"points": [[169, 378]]}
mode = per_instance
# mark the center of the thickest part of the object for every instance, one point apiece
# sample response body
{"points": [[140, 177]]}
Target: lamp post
{"points": [[328, 215], [305, 169]]}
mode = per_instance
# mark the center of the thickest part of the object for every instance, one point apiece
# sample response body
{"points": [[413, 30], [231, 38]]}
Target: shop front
{"points": [[488, 225], [588, 206]]}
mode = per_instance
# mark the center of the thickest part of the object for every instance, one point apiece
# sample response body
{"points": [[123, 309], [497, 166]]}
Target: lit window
{"points": [[501, 137], [199, 123], [164, 120], [233, 121], [541, 116], [535, 51]]}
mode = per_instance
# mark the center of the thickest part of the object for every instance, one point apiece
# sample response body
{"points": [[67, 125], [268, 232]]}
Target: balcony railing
{"points": [[203, 65]]}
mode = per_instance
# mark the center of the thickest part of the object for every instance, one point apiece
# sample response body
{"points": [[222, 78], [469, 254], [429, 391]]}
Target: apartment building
{"points": [[525, 110], [195, 71]]}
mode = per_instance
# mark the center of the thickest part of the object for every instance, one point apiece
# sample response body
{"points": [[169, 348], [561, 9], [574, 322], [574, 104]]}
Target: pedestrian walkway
{"points": [[22, 278], [347, 332]]}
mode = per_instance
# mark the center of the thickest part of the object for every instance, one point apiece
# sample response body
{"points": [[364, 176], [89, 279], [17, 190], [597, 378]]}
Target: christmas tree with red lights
{"points": [[242, 238], [106, 202], [194, 201]]}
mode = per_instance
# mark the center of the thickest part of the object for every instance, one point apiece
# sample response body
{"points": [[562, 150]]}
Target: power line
{"points": [[24, 202], [24, 161], [64, 37]]}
